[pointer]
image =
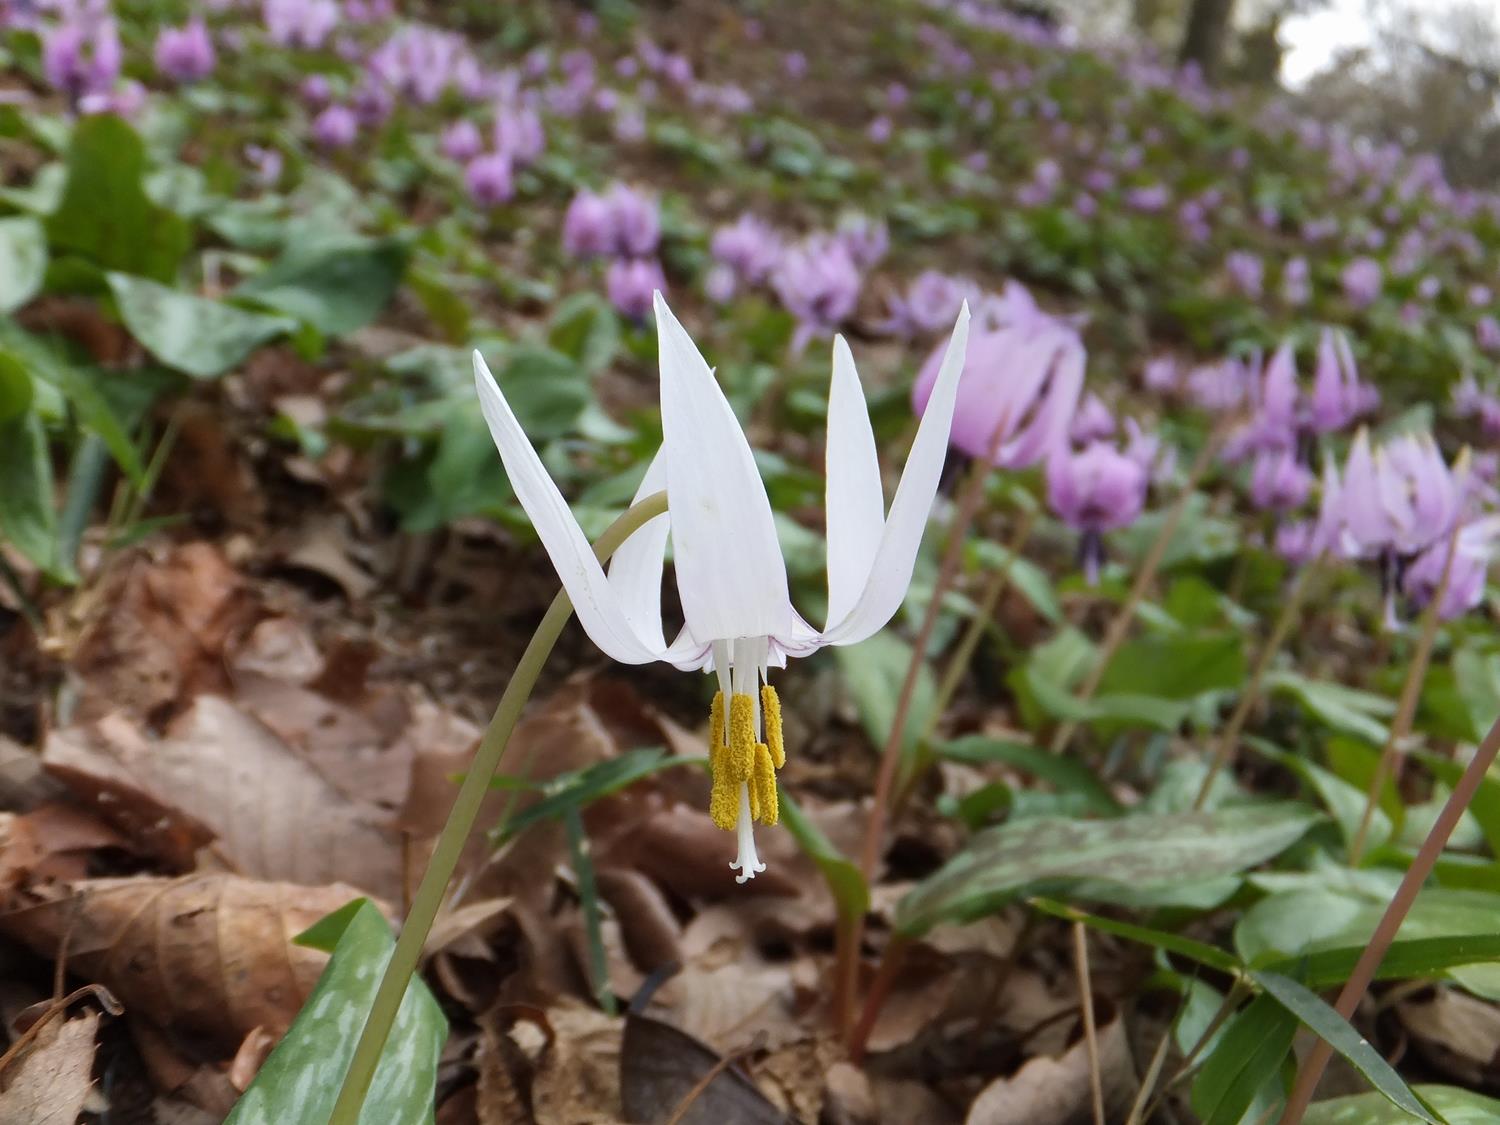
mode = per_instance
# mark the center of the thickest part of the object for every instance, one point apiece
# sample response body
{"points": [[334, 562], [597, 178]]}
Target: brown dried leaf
{"points": [[248, 1059], [207, 957], [53, 842], [729, 1005], [577, 1079], [796, 1078], [660, 1066], [1458, 1033], [1056, 1091], [274, 816], [156, 630], [50, 1083]]}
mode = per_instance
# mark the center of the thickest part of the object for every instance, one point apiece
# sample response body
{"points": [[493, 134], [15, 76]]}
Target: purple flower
{"points": [[1278, 482], [315, 91], [1429, 287], [1398, 499], [748, 249], [631, 282], [335, 127], [621, 223], [1150, 198], [930, 304], [461, 141], [519, 134], [372, 103], [185, 54], [1474, 549], [1156, 458], [1247, 273], [1092, 423], [865, 239], [1161, 375], [1094, 491], [795, 64], [818, 283], [1362, 279], [1022, 378], [1295, 289], [81, 56], [300, 23], [266, 162], [1487, 333], [489, 180], [1338, 397]]}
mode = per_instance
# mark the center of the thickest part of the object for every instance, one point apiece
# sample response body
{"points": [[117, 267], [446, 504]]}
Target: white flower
{"points": [[731, 577]]}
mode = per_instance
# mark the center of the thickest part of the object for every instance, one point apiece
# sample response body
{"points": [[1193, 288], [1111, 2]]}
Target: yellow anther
{"points": [[716, 723], [739, 761], [724, 802], [770, 705], [763, 786]]}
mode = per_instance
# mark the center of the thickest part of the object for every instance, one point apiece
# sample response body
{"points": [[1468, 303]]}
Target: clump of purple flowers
{"points": [[622, 225], [185, 54]]}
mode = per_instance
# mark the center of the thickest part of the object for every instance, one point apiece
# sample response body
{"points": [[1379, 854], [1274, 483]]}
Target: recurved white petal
{"points": [[853, 499], [594, 600], [730, 573], [897, 555], [635, 569]]}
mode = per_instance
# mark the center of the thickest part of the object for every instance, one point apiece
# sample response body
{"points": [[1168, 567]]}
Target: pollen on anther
{"points": [[739, 761], [763, 787], [770, 704]]}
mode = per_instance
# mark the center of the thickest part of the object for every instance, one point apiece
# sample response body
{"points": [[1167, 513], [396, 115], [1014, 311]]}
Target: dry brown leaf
{"points": [[156, 630], [648, 927], [1056, 1091], [796, 1078], [50, 1083], [1458, 1033], [208, 957], [207, 470], [274, 816], [729, 1005], [324, 546], [902, 1101], [248, 1059], [53, 842], [660, 1066], [499, 1097], [577, 1080]]}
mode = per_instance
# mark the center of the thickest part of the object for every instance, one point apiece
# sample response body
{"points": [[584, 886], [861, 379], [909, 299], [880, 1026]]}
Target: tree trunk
{"points": [[1207, 30]]}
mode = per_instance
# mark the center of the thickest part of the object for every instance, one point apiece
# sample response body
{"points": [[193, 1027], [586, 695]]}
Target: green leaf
{"points": [[1065, 774], [1176, 665], [1246, 1058], [1033, 582], [1337, 1032], [28, 520], [1201, 952], [851, 894], [16, 391], [23, 260], [335, 285], [586, 328], [1346, 802], [194, 335], [1115, 861], [1404, 960], [77, 386], [577, 788], [1341, 708], [1457, 1107], [105, 214], [1337, 916], [545, 388], [1485, 806], [301, 1079], [874, 672]]}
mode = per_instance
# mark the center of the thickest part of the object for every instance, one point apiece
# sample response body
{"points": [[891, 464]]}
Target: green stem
{"points": [[588, 898], [85, 475], [445, 856]]}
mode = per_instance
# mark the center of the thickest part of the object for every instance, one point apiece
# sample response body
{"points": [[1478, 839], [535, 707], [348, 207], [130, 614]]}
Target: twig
{"points": [[1090, 1032], [1115, 637], [1148, 1080], [1390, 922], [1229, 741], [1393, 754]]}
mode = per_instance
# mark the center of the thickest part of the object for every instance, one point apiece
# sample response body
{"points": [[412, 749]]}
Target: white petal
{"points": [[853, 500], [891, 573], [597, 605], [635, 569], [730, 573]]}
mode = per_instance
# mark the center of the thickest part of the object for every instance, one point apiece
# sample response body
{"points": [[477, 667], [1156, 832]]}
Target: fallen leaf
{"points": [[155, 631], [1457, 1033], [796, 1077], [660, 1066], [577, 1079], [208, 957], [1056, 1091], [53, 842], [50, 1083], [272, 814], [247, 1060]]}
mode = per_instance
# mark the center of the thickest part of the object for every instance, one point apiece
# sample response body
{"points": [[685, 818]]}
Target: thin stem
{"points": [[1393, 754], [1148, 1081], [846, 968], [445, 856], [1229, 741], [1390, 922], [85, 475], [1120, 626], [958, 665], [1090, 1032], [885, 976], [1237, 992]]}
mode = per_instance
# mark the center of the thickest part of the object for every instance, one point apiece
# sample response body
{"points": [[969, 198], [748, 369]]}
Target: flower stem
{"points": [[1393, 754], [1229, 741], [445, 856], [1120, 626], [1390, 922]]}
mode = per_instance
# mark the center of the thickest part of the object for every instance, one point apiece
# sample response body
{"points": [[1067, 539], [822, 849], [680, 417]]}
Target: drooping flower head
{"points": [[1093, 491], [81, 54], [185, 54], [490, 180], [731, 578], [1473, 550], [461, 141], [1021, 383], [632, 283], [1091, 422], [1338, 396], [1279, 482], [929, 303], [744, 252], [335, 127], [818, 283]]}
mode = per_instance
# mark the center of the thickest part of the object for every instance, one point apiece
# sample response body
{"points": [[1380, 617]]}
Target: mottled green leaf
{"points": [[334, 285], [194, 335], [23, 260]]}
